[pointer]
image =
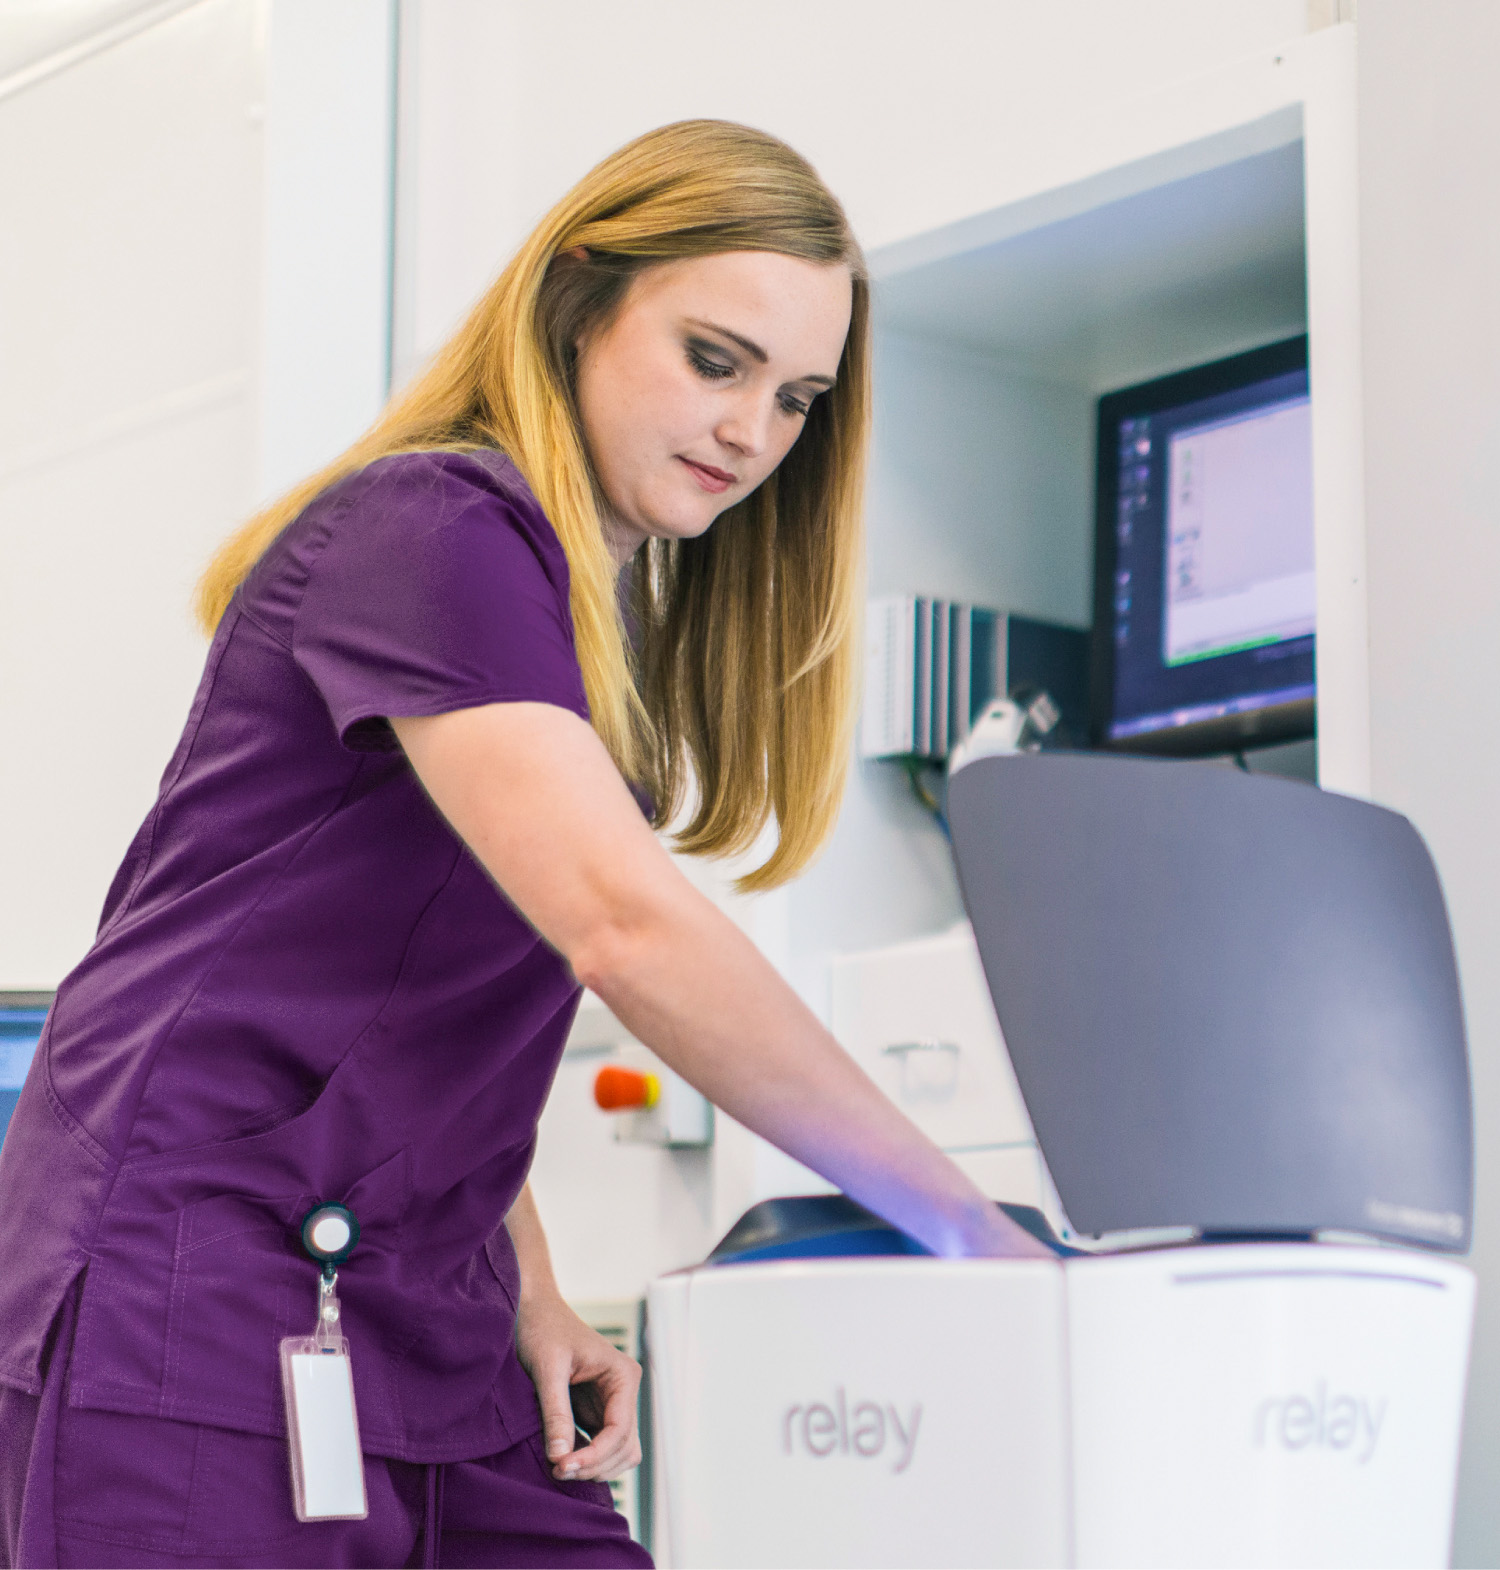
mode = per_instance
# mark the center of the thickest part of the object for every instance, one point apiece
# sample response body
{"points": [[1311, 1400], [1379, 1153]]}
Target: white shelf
{"points": [[1167, 277], [1191, 224]]}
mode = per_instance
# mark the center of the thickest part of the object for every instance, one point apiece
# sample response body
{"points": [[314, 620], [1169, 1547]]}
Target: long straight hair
{"points": [[738, 705]]}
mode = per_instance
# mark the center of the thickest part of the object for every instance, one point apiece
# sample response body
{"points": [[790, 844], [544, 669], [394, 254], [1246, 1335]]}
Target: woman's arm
{"points": [[532, 791], [579, 1376]]}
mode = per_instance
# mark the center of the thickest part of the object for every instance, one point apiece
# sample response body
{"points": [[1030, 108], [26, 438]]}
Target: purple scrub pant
{"points": [[98, 1489]]}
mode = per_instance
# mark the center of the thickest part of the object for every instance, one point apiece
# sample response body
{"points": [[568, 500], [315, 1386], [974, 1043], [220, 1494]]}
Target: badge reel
{"points": [[322, 1430]]}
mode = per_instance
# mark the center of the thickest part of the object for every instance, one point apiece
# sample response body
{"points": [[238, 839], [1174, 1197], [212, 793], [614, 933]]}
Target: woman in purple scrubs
{"points": [[605, 551]]}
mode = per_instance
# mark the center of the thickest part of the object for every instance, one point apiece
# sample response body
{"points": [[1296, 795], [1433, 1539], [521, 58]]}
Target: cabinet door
{"points": [[918, 1019]]}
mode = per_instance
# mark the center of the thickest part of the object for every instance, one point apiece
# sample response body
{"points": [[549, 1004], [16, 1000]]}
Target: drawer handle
{"points": [[900, 1049]]}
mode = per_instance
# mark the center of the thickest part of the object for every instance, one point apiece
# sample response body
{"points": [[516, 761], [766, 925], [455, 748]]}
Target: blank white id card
{"points": [[328, 1472]]}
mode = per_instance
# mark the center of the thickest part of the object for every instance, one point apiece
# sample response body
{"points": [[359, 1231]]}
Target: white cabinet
{"points": [[917, 1018], [1190, 223]]}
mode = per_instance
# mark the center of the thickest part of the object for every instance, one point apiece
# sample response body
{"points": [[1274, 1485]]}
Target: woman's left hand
{"points": [[581, 1381]]}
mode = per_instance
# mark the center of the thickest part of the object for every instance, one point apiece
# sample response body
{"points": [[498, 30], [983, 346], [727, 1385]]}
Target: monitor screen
{"points": [[22, 1016], [1205, 598]]}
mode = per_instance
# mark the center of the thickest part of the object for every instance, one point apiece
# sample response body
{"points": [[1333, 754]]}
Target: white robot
{"points": [[1233, 1013]]}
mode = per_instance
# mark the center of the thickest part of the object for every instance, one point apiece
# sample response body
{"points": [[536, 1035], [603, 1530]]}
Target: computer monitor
{"points": [[22, 1015], [1204, 594]]}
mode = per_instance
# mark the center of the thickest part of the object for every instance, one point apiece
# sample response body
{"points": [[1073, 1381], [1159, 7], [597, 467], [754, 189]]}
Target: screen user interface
{"points": [[1213, 594], [20, 1030]]}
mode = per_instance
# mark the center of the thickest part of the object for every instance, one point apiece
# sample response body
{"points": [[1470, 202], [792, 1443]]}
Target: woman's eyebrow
{"points": [[754, 350]]}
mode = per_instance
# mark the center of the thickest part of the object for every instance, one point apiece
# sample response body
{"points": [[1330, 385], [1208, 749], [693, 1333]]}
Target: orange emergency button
{"points": [[619, 1089]]}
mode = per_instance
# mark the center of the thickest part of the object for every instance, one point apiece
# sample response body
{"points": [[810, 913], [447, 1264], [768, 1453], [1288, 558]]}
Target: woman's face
{"points": [[700, 383]]}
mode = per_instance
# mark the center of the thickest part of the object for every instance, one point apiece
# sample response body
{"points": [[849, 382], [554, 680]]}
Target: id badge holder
{"points": [[322, 1426]]}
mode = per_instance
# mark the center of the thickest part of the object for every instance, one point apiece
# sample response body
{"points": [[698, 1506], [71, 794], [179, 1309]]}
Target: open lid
{"points": [[1231, 1001]]}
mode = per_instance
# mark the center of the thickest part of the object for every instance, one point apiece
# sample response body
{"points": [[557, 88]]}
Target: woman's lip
{"points": [[711, 479]]}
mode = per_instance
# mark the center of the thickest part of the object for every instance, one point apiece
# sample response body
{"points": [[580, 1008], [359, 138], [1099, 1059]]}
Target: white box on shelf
{"points": [[917, 1017]]}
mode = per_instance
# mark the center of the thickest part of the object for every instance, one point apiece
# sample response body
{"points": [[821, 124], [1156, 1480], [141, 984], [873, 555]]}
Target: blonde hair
{"points": [[742, 695]]}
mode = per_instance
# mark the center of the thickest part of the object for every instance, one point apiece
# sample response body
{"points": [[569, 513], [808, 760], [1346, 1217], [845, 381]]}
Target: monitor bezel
{"points": [[1261, 727]]}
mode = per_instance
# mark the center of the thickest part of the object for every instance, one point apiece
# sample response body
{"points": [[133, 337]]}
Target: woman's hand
{"points": [[581, 1381]]}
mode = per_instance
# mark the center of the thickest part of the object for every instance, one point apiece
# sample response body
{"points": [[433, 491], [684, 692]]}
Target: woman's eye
{"points": [[791, 405], [714, 370]]}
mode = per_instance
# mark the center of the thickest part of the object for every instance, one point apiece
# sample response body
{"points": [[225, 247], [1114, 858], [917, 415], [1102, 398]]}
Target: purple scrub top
{"points": [[305, 988]]}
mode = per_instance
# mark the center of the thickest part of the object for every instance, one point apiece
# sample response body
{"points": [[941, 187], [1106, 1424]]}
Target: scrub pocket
{"points": [[224, 1243], [148, 1491]]}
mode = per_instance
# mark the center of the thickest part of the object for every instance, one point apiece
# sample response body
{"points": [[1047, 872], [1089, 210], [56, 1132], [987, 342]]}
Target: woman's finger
{"points": [[610, 1452], [591, 1464], [615, 1447], [554, 1396]]}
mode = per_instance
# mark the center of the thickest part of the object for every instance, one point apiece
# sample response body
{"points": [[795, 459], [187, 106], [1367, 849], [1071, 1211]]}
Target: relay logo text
{"points": [[865, 1429], [1320, 1421]]}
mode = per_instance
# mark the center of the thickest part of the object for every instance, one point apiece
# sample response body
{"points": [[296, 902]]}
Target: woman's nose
{"points": [[746, 425]]}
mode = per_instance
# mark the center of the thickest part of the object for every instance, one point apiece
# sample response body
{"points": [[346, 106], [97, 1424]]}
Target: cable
{"points": [[921, 791]]}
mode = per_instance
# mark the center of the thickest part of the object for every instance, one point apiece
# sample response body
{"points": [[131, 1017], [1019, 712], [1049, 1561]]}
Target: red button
{"points": [[619, 1089]]}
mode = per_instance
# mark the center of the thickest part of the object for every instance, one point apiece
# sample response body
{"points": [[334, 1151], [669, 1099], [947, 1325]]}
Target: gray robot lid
{"points": [[1231, 1001]]}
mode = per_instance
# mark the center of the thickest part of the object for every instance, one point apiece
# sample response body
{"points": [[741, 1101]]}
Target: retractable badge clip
{"points": [[322, 1428]]}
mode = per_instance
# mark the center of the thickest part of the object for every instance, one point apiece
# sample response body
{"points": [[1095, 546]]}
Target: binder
{"points": [[931, 666], [887, 715], [941, 672], [922, 739]]}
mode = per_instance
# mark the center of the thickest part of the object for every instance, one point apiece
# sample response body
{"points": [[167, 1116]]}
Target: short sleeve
{"points": [[436, 590]]}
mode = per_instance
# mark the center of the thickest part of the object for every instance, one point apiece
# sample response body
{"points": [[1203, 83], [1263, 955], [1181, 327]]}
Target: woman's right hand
{"points": [[534, 794]]}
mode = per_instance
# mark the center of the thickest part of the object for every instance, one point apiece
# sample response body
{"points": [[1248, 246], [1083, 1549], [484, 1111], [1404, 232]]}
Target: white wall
{"points": [[1430, 160], [650, 1211], [36, 34], [959, 504], [326, 307], [194, 309], [130, 181], [909, 111]]}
